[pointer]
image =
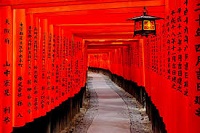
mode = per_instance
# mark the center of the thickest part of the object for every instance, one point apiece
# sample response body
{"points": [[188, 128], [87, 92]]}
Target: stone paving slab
{"points": [[111, 110]]}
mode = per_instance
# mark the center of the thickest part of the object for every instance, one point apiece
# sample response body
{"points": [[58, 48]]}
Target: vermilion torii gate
{"points": [[45, 46]]}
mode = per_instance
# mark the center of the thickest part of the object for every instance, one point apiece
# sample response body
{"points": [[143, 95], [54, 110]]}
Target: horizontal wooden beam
{"points": [[153, 10], [47, 3], [96, 6], [108, 39], [96, 24]]}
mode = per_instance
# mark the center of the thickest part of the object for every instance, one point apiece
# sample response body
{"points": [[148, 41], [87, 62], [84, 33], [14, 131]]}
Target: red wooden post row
{"points": [[167, 65], [41, 66]]}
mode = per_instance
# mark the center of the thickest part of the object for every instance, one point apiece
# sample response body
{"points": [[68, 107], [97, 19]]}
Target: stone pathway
{"points": [[111, 110]]}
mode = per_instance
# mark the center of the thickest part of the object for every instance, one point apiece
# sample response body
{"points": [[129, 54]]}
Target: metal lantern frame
{"points": [[145, 24]]}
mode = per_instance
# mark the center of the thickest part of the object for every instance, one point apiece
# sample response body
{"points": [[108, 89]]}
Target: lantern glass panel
{"points": [[148, 24], [138, 25]]}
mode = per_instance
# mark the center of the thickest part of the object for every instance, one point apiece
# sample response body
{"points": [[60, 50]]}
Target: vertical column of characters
{"points": [[66, 67], [141, 61], [69, 66], [185, 40], [152, 82], [118, 64], [49, 67], [167, 39], [36, 61], [126, 62], [160, 48], [164, 31], [182, 58], [161, 65], [168, 28], [119, 61], [115, 62], [119, 53], [78, 65], [29, 66], [19, 63], [73, 59], [53, 68], [6, 65], [112, 61], [81, 63], [163, 49], [137, 58], [172, 62], [158, 65], [173, 46], [63, 61], [84, 63], [75, 66], [148, 64], [65, 89], [179, 49], [85, 60], [43, 64], [194, 65], [57, 56], [185, 65], [59, 65], [131, 61], [157, 40]]}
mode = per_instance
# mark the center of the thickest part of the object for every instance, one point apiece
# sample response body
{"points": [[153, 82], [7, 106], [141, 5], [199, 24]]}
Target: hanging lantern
{"points": [[145, 24]]}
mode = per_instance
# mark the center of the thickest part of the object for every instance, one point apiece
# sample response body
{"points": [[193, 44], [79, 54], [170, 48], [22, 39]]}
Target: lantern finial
{"points": [[145, 11]]}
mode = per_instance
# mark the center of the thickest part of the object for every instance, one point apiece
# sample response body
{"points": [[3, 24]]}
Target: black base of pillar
{"points": [[57, 119]]}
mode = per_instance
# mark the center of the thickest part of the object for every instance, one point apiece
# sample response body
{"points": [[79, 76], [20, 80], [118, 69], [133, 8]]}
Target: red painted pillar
{"points": [[194, 65], [19, 64], [29, 67], [6, 65], [36, 69]]}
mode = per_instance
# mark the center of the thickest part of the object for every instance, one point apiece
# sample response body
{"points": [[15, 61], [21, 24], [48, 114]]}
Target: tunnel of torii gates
{"points": [[47, 45]]}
